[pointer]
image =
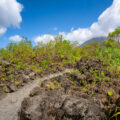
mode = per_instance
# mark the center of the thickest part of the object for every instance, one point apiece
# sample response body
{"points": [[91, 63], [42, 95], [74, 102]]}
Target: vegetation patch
{"points": [[96, 73]]}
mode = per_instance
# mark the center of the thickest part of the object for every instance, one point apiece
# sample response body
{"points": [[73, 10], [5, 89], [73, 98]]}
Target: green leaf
{"points": [[110, 93]]}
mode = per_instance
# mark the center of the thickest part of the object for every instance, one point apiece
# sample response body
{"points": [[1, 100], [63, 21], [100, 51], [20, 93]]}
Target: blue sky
{"points": [[41, 17]]}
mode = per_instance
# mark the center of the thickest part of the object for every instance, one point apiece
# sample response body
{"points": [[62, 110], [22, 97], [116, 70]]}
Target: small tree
{"points": [[115, 35]]}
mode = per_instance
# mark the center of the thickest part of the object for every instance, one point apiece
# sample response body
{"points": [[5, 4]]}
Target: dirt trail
{"points": [[10, 105]]}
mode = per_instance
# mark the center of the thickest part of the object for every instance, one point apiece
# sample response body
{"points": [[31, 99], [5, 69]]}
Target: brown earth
{"points": [[12, 79], [51, 105], [10, 105], [80, 95]]}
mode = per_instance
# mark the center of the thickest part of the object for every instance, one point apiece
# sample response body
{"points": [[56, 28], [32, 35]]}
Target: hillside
{"points": [[59, 59], [97, 39], [91, 85]]}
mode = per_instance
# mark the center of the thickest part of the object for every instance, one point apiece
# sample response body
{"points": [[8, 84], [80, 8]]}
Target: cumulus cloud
{"points": [[44, 38], [9, 14], [107, 22], [15, 38]]}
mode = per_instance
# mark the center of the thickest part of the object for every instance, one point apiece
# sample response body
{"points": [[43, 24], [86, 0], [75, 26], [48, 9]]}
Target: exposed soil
{"points": [[54, 68], [51, 105], [79, 95], [10, 105], [12, 79]]}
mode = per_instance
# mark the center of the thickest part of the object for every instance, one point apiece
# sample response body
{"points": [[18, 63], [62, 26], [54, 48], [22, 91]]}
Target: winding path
{"points": [[10, 105]]}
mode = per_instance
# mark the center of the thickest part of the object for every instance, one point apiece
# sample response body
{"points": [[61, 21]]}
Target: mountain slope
{"points": [[97, 39]]}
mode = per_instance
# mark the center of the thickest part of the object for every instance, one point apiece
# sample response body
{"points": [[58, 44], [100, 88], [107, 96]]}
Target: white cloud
{"points": [[15, 38], [10, 13], [107, 22], [2, 30], [44, 38]]}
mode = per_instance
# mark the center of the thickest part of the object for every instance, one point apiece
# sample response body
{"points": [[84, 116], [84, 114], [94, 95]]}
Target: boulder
{"points": [[51, 105]]}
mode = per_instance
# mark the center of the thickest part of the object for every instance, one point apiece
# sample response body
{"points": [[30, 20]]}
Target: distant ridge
{"points": [[97, 39]]}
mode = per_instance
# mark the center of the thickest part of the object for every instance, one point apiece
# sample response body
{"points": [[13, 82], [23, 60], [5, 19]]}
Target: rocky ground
{"points": [[10, 105], [13, 78], [87, 92], [90, 92]]}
